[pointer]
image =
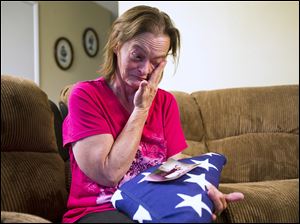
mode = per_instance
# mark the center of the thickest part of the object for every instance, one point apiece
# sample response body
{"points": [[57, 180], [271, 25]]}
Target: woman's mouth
{"points": [[141, 78]]}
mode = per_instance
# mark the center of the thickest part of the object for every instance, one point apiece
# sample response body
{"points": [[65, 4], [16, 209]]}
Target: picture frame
{"points": [[90, 42], [63, 52]]}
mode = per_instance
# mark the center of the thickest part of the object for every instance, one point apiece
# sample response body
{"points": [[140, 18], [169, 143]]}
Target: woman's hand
{"points": [[221, 200], [145, 94]]}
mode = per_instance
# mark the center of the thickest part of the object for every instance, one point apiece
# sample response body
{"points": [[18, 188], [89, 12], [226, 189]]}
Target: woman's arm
{"points": [[106, 161]]}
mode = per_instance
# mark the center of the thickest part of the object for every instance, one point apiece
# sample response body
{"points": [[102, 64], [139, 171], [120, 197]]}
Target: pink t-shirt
{"points": [[94, 109]]}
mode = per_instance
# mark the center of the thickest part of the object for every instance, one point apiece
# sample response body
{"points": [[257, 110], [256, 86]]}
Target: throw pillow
{"points": [[177, 201]]}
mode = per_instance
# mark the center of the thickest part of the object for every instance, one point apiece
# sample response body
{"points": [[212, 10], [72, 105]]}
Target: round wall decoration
{"points": [[90, 42], [63, 52]]}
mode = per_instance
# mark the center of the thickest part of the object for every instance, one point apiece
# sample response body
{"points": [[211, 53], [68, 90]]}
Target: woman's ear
{"points": [[117, 48]]}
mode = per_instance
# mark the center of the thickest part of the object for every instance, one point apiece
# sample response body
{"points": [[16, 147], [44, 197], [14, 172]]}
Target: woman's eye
{"points": [[136, 56], [156, 64]]}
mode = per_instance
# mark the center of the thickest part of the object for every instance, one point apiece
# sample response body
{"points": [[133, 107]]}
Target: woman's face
{"points": [[138, 57]]}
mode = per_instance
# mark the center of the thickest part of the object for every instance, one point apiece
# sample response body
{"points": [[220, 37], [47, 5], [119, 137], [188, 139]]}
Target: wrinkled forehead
{"points": [[150, 43]]}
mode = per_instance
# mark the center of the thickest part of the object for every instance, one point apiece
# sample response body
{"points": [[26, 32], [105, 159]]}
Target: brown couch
{"points": [[257, 129], [32, 171]]}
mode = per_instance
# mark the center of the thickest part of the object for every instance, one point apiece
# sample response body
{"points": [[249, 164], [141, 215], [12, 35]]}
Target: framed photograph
{"points": [[90, 42], [63, 52]]}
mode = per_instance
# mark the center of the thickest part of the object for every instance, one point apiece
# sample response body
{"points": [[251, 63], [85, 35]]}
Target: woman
{"points": [[121, 123]]}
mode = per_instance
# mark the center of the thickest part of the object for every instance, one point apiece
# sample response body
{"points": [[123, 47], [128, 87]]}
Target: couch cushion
{"points": [[195, 148], [182, 200], [33, 183], [231, 112], [265, 202], [26, 117], [32, 171], [17, 217], [191, 121], [259, 156]]}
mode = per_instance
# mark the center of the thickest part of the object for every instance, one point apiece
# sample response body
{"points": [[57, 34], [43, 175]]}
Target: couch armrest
{"points": [[274, 201], [17, 217]]}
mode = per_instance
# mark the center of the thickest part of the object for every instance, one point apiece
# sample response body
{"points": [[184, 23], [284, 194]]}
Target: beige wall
{"points": [[69, 19]]}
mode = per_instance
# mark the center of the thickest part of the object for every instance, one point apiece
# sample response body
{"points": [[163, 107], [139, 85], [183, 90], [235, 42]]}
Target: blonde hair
{"points": [[135, 21]]}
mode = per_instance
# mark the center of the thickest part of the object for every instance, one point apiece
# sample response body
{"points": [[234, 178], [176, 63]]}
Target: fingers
{"points": [[143, 96], [218, 199], [143, 84], [214, 217], [235, 196], [221, 200], [157, 73], [143, 87], [147, 90]]}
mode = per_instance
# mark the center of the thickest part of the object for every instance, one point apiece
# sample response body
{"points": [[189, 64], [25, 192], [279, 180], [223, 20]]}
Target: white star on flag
{"points": [[211, 154], [116, 196], [141, 214], [204, 164], [198, 179], [145, 177], [193, 201]]}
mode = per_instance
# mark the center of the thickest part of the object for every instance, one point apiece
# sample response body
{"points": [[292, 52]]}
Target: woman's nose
{"points": [[146, 68]]}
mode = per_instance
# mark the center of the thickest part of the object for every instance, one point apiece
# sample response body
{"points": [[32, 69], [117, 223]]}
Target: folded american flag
{"points": [[177, 201]]}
